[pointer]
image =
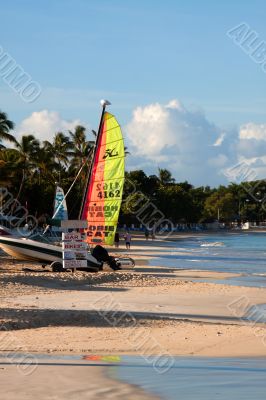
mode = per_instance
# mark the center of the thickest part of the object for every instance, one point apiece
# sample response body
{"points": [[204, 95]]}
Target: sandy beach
{"points": [[155, 310]]}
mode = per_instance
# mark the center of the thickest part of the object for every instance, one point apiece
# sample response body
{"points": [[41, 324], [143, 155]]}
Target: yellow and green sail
{"points": [[104, 194]]}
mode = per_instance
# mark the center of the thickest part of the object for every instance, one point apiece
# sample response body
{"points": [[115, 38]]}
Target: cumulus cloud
{"points": [[253, 131], [179, 139], [149, 125], [251, 148], [44, 124]]}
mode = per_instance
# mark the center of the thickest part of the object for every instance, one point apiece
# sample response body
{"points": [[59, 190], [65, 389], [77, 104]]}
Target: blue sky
{"points": [[136, 54]]}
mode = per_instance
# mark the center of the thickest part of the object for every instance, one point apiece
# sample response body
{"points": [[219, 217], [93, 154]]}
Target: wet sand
{"points": [[63, 380]]}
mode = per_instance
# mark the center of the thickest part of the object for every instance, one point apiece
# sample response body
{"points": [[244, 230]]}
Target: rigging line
{"points": [[73, 183], [65, 196]]}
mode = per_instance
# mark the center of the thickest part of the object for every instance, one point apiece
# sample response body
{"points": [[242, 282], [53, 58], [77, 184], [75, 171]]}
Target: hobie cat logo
{"points": [[110, 153]]}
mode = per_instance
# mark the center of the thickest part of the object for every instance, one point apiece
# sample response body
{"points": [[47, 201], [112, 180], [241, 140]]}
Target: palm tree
{"points": [[81, 155], [5, 126], [78, 136], [28, 149], [165, 177], [60, 150], [82, 148], [45, 167], [9, 166]]}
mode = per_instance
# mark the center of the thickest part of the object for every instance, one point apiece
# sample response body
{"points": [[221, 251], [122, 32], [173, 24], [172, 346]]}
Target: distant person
{"points": [[117, 239], [128, 240], [147, 234], [153, 234]]}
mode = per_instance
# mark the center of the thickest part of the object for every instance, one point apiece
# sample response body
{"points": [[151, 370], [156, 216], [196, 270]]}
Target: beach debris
{"points": [[102, 358]]}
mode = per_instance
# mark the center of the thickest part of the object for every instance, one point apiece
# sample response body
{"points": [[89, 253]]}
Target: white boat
{"points": [[38, 251]]}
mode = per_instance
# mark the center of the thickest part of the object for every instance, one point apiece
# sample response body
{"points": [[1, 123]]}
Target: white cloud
{"points": [[176, 138], [175, 104], [146, 131], [251, 147], [253, 131], [44, 124], [220, 140]]}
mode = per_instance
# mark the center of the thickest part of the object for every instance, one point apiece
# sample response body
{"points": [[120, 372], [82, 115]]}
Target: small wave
{"points": [[214, 244], [257, 274]]}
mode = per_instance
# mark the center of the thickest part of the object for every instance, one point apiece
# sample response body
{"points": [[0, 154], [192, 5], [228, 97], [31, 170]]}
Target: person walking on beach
{"points": [[128, 240], [147, 234], [117, 239]]}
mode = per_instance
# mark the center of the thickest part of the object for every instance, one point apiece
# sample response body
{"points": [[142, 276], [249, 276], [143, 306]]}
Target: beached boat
{"points": [[29, 249], [40, 251]]}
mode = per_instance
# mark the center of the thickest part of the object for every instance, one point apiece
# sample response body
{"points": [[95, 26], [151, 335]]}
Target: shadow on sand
{"points": [[15, 319]]}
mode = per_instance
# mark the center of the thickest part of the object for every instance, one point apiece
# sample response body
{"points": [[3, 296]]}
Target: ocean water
{"points": [[198, 378], [243, 253]]}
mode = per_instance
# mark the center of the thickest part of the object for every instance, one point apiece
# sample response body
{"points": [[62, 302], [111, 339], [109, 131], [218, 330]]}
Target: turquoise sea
{"points": [[198, 378], [243, 253]]}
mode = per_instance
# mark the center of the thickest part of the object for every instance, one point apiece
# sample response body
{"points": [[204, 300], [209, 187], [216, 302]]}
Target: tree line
{"points": [[29, 169]]}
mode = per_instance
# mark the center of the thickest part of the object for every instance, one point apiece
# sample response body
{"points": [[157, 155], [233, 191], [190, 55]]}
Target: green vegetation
{"points": [[182, 202], [29, 169]]}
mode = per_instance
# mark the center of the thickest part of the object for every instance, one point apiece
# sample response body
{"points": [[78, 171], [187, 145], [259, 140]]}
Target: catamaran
{"points": [[101, 201]]}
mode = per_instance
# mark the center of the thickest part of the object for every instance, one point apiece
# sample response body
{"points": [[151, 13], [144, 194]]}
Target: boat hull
{"points": [[30, 250]]}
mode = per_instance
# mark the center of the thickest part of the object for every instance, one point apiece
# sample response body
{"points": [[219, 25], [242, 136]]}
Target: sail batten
{"points": [[104, 194]]}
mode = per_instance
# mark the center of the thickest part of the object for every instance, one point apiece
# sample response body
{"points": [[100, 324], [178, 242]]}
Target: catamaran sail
{"points": [[60, 206], [105, 187]]}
